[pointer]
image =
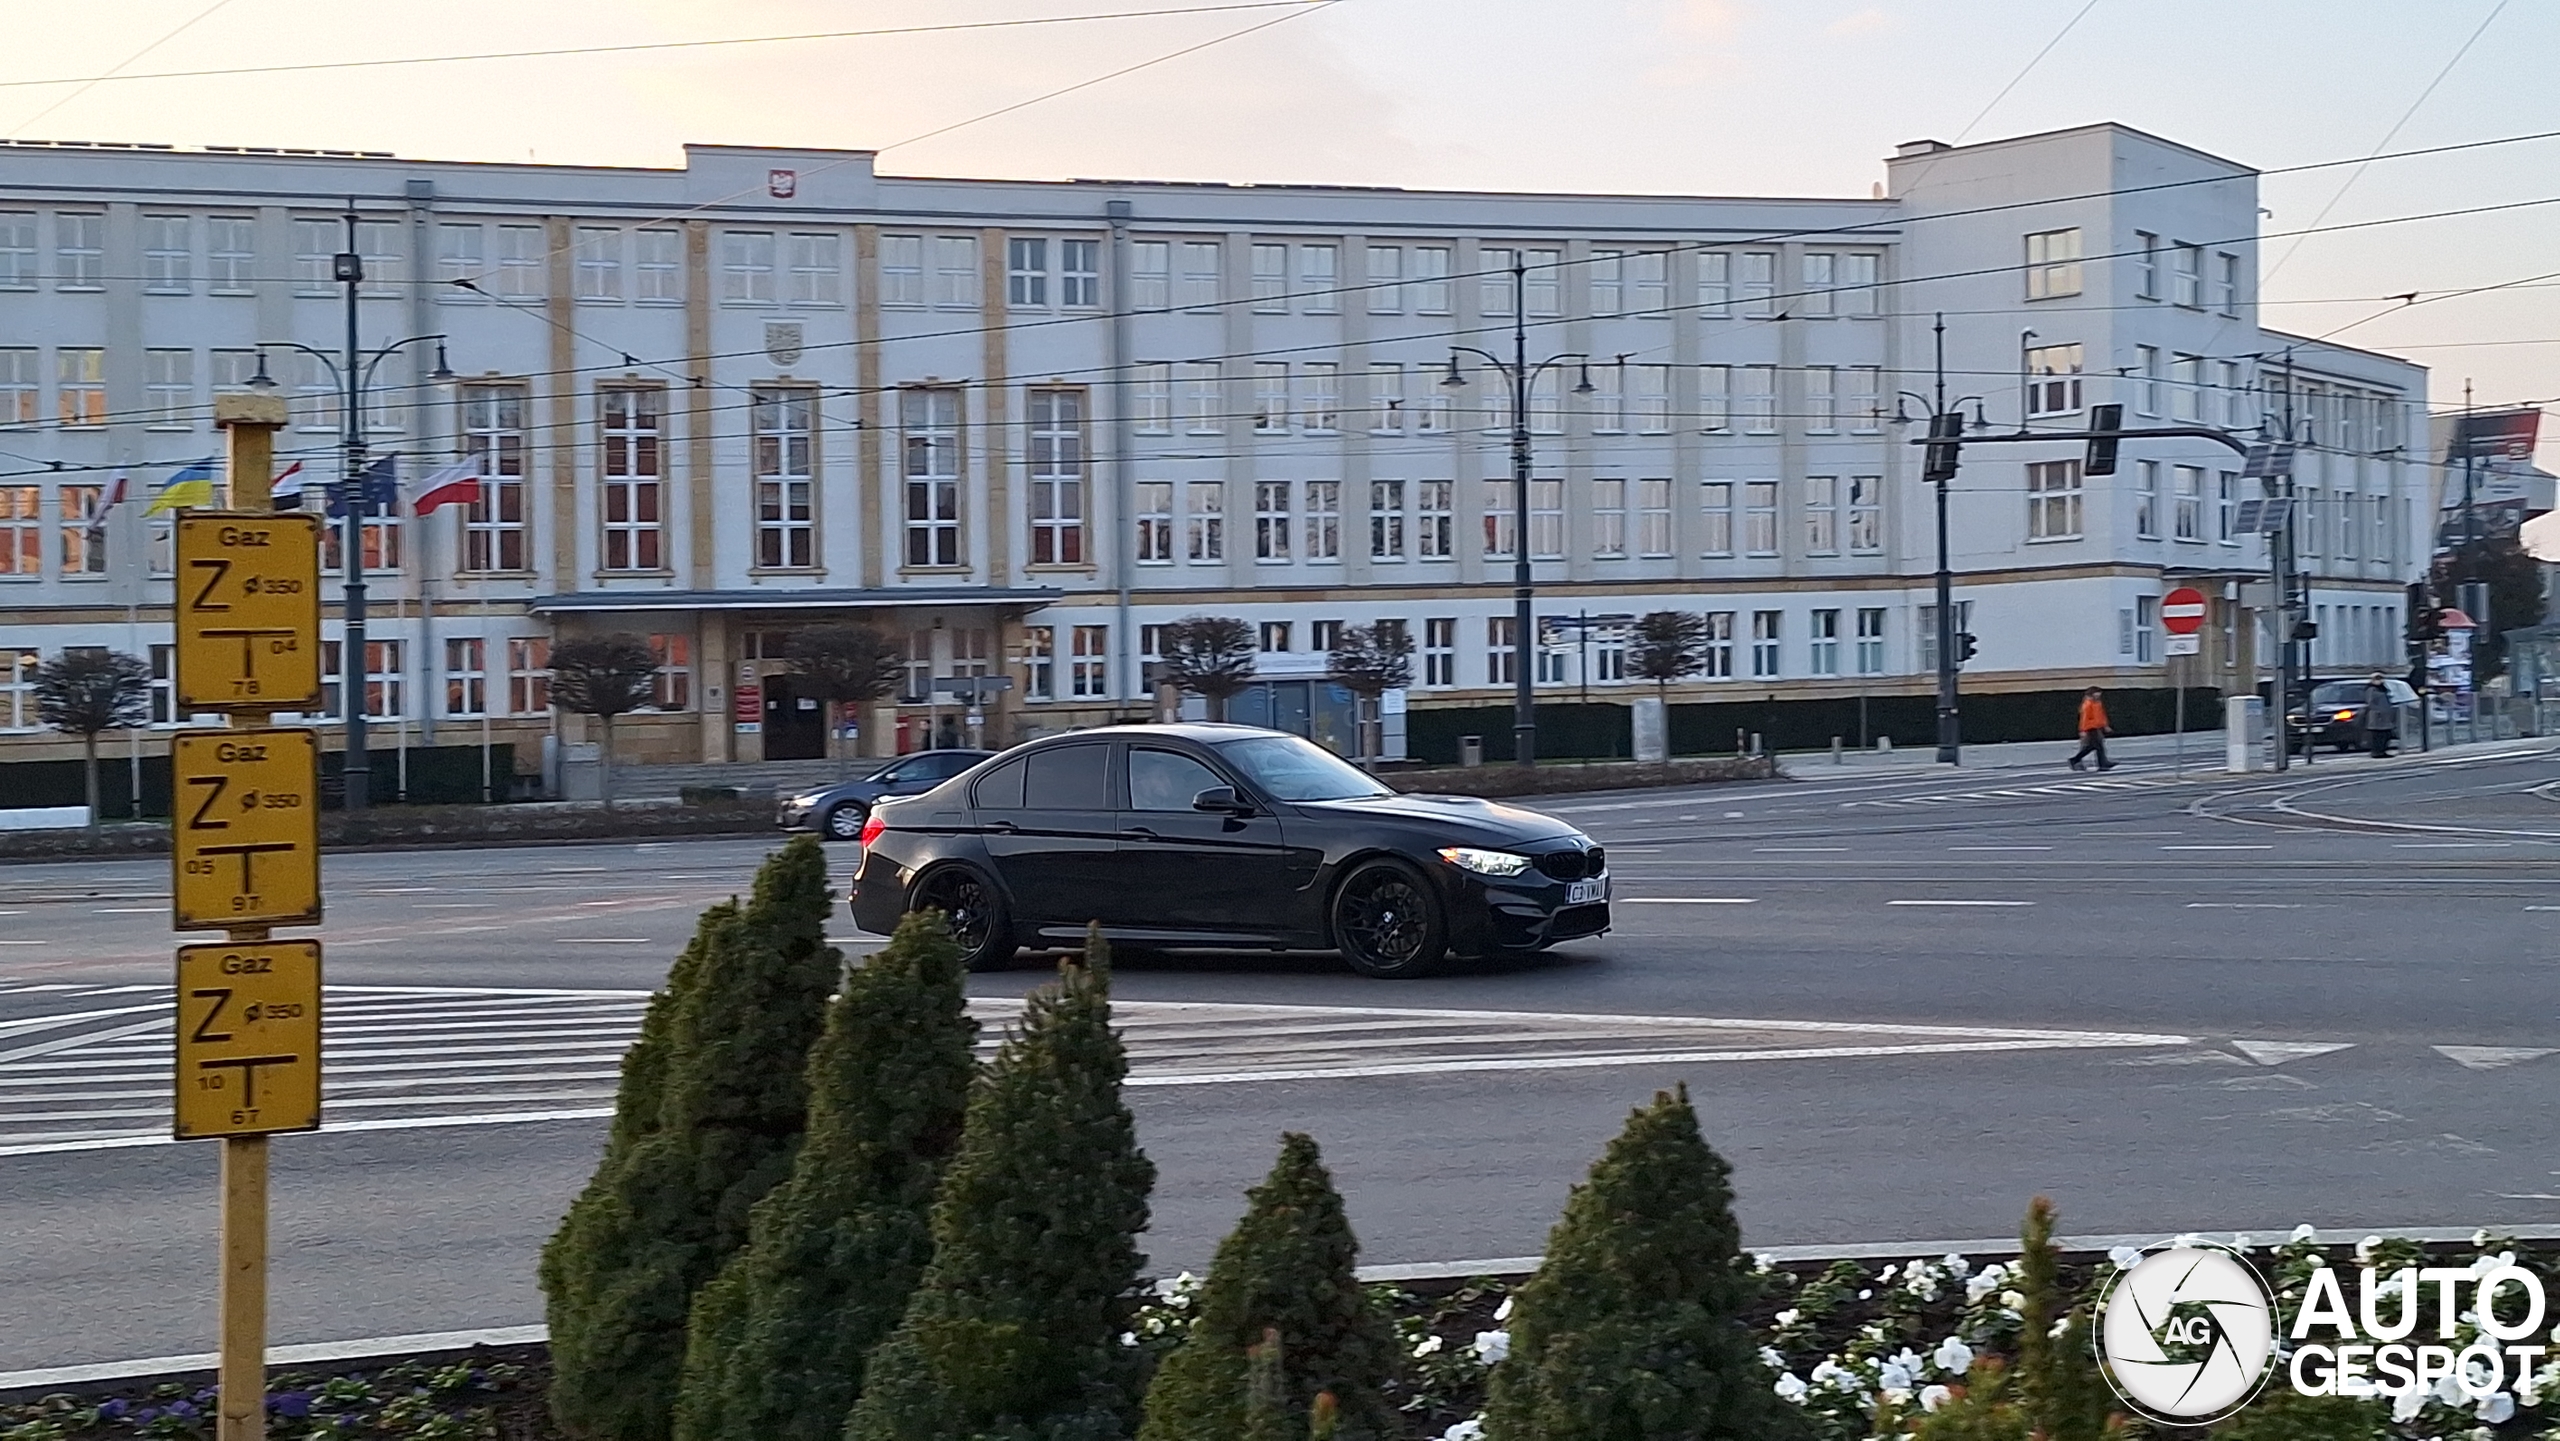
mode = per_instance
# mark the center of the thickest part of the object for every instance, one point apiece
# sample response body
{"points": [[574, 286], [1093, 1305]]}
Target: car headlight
{"points": [[1484, 863]]}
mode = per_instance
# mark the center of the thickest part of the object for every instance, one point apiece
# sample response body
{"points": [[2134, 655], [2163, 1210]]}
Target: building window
{"points": [[79, 251], [1758, 403], [2146, 265], [1080, 274], [1057, 477], [1150, 275], [1494, 281], [1822, 654], [1320, 397], [930, 418], [2226, 283], [2226, 506], [1546, 520], [634, 471], [1607, 272], [1271, 280], [1715, 399], [1026, 271], [2053, 500], [674, 687], [1270, 396], [1653, 399], [1319, 279], [1203, 398], [84, 551], [1715, 519], [1155, 522], [1649, 284], [1273, 511], [528, 675], [2053, 379], [18, 267], [902, 270], [521, 262], [1501, 649], [2186, 388], [1440, 651], [1871, 640], [1609, 519], [1821, 400], [1430, 288], [746, 267], [1857, 282], [1386, 398], [230, 243], [2146, 499], [2147, 380], [955, 272], [379, 534], [168, 254], [785, 423], [1386, 520], [2146, 629], [2186, 276], [1866, 514], [1653, 518], [1764, 642], [1152, 392], [2053, 264], [596, 272], [2188, 521], [817, 269], [466, 677], [21, 531], [1039, 662], [1323, 636], [1822, 515], [80, 386], [1089, 662], [382, 678], [1324, 520], [1756, 283], [1434, 520], [459, 257], [1760, 517], [1814, 297], [1274, 637], [169, 386], [1205, 521], [1715, 283], [1719, 654], [1607, 404], [1386, 269], [1501, 522], [19, 388], [1201, 287]]}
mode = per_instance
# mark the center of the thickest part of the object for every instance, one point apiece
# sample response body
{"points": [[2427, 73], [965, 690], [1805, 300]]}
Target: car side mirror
{"points": [[1221, 799]]}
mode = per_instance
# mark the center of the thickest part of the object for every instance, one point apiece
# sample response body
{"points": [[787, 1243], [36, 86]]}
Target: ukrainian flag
{"points": [[190, 486]]}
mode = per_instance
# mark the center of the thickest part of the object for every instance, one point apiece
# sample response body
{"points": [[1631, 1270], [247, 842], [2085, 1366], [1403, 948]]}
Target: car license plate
{"points": [[1583, 893]]}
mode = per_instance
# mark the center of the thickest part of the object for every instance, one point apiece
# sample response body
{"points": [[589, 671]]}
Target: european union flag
{"points": [[376, 491]]}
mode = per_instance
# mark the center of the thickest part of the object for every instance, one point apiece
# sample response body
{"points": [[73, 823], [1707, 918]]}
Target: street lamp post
{"points": [[353, 371], [1522, 378], [1946, 422]]}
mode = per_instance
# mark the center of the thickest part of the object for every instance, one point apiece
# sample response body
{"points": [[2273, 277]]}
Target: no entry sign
{"points": [[2182, 611]]}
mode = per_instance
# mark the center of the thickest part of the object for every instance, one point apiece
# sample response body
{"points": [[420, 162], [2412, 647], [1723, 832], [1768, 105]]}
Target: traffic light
{"points": [[1938, 461], [2101, 460], [2425, 622], [1964, 646]]}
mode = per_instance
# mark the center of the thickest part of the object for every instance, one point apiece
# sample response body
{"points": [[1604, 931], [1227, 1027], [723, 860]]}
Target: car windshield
{"points": [[2339, 692], [1290, 769]]}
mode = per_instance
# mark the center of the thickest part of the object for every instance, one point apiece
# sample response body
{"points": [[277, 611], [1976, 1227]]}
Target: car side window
{"points": [[902, 771], [1067, 778], [1000, 789], [1166, 780], [952, 763]]}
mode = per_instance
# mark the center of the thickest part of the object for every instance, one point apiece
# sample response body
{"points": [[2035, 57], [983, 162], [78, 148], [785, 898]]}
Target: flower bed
{"points": [[1856, 1344]]}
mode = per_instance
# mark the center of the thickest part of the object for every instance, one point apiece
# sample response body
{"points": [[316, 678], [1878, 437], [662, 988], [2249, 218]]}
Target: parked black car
{"points": [[1224, 835], [838, 811], [2332, 713]]}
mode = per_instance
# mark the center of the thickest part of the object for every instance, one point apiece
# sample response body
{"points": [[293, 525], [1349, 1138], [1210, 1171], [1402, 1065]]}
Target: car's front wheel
{"points": [[1388, 923], [844, 822], [976, 914]]}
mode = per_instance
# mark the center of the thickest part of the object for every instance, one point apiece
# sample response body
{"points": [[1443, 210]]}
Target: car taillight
{"points": [[871, 829]]}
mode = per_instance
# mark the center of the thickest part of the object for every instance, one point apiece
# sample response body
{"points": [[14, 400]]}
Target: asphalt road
{"points": [[1905, 1000]]}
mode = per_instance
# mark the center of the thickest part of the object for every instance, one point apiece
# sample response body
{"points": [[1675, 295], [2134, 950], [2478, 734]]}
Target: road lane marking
{"points": [[1999, 848], [1793, 850], [1688, 900], [2276, 1053], [1959, 903], [2218, 848], [130, 911], [2244, 905], [2450, 845], [2490, 1058], [603, 940]]}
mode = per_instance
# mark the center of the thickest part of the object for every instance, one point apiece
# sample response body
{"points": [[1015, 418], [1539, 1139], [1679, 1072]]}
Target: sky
{"points": [[1784, 97]]}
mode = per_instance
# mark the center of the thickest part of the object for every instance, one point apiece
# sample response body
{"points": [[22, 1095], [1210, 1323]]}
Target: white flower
{"points": [[2242, 1240], [1933, 1397], [1503, 1311], [1763, 1261], [1839, 1378], [1770, 1358], [2364, 1248], [1492, 1346], [2480, 1238], [2406, 1405], [1901, 1372], [1783, 1318], [1953, 1356], [1981, 1284], [1921, 1280], [1128, 1338], [1890, 1272], [1867, 1295], [2449, 1391], [1957, 1266], [2496, 1407], [2014, 1300], [2186, 1239], [1427, 1346], [2126, 1257], [1791, 1387], [2304, 1232], [1471, 1429]]}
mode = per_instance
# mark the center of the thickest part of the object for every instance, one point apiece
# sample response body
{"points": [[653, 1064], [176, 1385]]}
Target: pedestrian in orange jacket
{"points": [[2093, 732]]}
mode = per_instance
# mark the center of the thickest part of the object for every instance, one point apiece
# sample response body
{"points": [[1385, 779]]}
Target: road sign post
{"points": [[2182, 616], [246, 856]]}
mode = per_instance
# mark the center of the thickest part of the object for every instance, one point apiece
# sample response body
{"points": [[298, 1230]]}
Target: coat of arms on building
{"points": [[782, 184], [782, 342]]}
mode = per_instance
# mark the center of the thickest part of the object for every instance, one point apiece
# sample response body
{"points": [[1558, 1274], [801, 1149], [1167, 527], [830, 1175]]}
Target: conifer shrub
{"points": [[713, 1106], [2065, 1396], [1285, 1272], [777, 1341], [1015, 1332], [1632, 1329]]}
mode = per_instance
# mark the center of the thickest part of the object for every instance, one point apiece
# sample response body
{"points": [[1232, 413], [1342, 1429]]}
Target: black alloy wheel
{"points": [[976, 914], [844, 822], [1387, 922]]}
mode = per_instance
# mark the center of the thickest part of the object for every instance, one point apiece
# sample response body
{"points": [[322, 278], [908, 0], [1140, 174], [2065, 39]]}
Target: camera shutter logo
{"points": [[2187, 1334]]}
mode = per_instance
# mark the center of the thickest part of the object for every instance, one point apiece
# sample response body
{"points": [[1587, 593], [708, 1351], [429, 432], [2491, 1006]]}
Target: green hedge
{"points": [[438, 776]]}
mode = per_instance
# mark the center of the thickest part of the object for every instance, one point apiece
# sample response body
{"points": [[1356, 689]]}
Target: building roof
{"points": [[602, 601]]}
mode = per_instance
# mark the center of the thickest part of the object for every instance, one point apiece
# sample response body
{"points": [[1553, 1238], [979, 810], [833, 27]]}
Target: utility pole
{"points": [[1944, 455], [354, 668], [1522, 379]]}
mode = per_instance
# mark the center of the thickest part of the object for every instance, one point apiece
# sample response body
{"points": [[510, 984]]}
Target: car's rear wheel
{"points": [[1388, 923], [843, 822], [976, 914]]}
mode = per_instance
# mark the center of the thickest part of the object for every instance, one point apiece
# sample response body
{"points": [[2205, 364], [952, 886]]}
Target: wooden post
{"points": [[249, 423]]}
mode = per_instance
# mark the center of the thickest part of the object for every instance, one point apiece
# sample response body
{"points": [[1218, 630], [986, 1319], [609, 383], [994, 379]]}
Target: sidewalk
{"points": [[2203, 752]]}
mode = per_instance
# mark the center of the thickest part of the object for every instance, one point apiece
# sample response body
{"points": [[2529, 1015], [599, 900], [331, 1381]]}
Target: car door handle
{"points": [[1003, 828], [1137, 833]]}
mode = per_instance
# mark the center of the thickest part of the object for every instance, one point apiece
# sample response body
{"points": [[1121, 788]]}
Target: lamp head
{"points": [[1586, 387], [443, 373], [262, 380], [1453, 379]]}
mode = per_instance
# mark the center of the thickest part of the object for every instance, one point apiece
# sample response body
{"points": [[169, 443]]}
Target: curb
{"points": [[17, 1385]]}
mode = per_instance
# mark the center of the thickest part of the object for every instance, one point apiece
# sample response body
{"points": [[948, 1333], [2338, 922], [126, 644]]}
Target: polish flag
{"points": [[455, 484], [285, 492]]}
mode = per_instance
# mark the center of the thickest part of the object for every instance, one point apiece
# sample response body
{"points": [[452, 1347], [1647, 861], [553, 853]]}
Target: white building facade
{"points": [[1023, 424]]}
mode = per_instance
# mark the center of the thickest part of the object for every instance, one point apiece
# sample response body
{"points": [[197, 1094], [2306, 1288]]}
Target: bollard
{"points": [[1755, 744], [1884, 745], [1835, 751]]}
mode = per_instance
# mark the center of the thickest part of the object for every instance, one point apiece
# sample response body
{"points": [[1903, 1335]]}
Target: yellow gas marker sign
{"points": [[247, 829], [248, 1039], [248, 590]]}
